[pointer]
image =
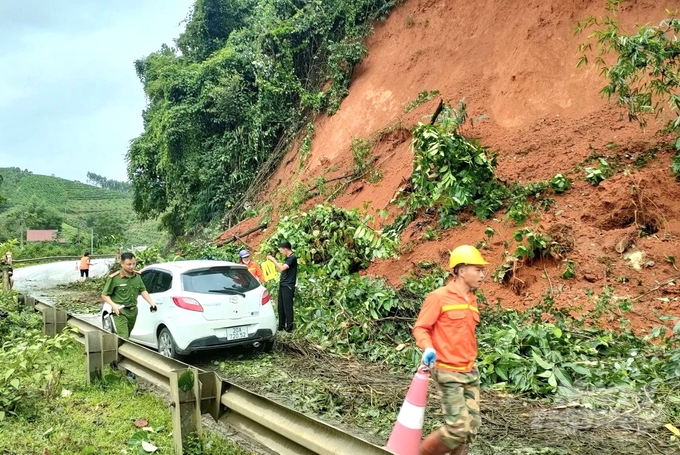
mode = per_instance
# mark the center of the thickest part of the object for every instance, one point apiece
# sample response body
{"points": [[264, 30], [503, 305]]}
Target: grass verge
{"points": [[113, 416]]}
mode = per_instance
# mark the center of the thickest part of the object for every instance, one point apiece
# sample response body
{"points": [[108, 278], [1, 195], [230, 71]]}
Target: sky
{"points": [[70, 100]]}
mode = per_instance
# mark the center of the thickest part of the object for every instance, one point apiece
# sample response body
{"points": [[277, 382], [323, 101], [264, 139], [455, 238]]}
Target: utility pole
{"points": [[91, 240]]}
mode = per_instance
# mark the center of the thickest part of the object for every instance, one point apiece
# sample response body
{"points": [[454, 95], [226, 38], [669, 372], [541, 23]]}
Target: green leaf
{"points": [[186, 381], [137, 438], [540, 361]]}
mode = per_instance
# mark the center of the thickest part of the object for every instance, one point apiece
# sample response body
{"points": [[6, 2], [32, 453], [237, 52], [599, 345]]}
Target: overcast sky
{"points": [[70, 100]]}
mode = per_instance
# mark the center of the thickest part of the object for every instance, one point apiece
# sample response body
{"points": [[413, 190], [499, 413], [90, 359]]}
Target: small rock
{"points": [[650, 264], [622, 245], [590, 277]]}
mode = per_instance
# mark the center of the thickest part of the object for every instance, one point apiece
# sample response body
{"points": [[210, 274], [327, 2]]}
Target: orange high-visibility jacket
{"points": [[447, 323], [85, 263], [255, 269]]}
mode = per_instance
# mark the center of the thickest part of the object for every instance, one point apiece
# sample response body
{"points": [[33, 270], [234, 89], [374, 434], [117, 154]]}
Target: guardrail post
{"points": [[101, 349], [186, 407], [211, 390], [54, 321]]}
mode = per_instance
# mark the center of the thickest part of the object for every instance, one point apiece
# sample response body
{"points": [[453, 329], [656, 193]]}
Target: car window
{"points": [[219, 279], [148, 277], [163, 282]]}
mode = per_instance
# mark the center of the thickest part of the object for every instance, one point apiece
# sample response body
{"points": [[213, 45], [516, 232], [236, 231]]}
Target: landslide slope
{"points": [[515, 63]]}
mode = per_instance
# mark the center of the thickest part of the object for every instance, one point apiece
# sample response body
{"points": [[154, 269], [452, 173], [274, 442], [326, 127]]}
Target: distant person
{"points": [[85, 266], [253, 267], [117, 256], [287, 282], [122, 288], [7, 260]]}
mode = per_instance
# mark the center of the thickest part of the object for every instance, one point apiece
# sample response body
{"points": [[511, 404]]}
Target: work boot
{"points": [[460, 450], [433, 445]]}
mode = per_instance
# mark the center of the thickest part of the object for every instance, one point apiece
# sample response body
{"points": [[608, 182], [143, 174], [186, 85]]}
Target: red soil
{"points": [[516, 65]]}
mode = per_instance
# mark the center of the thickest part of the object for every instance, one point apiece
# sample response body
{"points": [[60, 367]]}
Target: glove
{"points": [[429, 357]]}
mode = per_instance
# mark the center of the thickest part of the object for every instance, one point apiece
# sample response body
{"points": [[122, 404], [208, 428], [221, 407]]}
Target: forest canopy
{"points": [[239, 82]]}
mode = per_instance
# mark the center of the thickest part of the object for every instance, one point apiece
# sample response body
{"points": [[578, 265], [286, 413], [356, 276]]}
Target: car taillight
{"points": [[188, 304], [266, 297]]}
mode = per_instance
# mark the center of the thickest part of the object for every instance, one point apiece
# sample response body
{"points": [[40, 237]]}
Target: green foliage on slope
{"points": [[227, 100]]}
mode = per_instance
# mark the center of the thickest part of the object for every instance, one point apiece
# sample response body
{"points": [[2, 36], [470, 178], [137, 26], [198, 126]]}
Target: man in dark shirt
{"points": [[287, 282]]}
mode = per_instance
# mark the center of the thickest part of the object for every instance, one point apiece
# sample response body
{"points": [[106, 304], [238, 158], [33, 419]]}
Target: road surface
{"points": [[40, 281]]}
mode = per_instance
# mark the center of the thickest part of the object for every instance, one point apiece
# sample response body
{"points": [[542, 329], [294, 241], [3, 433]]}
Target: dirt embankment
{"points": [[515, 63]]}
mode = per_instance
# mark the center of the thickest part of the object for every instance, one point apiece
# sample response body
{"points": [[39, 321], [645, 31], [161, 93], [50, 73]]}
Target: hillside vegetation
{"points": [[226, 102], [45, 202]]}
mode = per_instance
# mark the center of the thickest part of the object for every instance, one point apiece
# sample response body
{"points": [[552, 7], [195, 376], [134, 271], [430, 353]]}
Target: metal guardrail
{"points": [[194, 392]]}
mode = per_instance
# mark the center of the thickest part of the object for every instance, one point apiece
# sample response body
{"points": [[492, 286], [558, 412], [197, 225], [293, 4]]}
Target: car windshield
{"points": [[220, 280]]}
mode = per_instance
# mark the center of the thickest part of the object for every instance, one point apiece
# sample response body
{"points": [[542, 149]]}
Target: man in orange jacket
{"points": [[445, 330], [253, 267]]}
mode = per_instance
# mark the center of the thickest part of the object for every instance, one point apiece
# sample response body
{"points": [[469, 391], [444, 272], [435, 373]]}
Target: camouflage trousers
{"points": [[459, 393]]}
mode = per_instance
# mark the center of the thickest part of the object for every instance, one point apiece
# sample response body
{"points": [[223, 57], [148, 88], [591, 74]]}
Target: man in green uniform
{"points": [[122, 289]]}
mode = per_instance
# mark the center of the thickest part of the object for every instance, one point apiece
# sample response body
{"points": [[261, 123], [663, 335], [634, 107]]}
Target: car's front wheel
{"points": [[166, 344]]}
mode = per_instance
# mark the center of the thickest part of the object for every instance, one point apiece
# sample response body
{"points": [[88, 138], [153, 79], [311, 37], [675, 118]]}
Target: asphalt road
{"points": [[39, 281]]}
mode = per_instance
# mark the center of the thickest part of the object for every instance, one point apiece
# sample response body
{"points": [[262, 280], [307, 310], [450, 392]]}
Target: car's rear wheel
{"points": [[166, 344]]}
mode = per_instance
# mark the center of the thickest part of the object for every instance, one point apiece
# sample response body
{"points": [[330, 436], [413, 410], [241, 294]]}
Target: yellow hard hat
{"points": [[466, 254]]}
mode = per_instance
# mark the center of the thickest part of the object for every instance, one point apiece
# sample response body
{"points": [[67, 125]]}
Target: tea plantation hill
{"points": [[79, 205]]}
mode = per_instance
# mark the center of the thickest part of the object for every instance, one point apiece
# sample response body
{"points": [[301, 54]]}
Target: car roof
{"points": [[185, 266]]}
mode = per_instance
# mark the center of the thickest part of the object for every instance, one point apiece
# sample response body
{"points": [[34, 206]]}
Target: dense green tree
{"points": [[240, 83], [107, 184], [2, 198]]}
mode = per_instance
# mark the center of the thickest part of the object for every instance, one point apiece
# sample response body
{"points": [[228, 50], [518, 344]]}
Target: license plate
{"points": [[237, 333]]}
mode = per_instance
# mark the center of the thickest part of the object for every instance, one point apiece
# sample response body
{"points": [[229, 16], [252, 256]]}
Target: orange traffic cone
{"points": [[406, 434]]}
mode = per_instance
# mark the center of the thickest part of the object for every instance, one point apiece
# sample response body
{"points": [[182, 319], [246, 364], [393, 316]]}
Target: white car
{"points": [[201, 305]]}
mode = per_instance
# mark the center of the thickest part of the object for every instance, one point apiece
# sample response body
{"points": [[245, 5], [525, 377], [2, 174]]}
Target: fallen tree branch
{"points": [[656, 288], [238, 237]]}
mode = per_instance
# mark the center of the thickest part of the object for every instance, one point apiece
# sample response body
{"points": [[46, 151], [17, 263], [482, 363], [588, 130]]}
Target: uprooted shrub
{"points": [[531, 246], [450, 173], [338, 241]]}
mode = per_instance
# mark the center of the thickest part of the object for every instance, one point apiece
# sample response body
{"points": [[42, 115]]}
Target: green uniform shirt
{"points": [[124, 290]]}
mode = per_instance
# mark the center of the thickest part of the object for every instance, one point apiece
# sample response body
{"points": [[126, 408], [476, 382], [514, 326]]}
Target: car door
{"points": [[143, 331], [161, 284]]}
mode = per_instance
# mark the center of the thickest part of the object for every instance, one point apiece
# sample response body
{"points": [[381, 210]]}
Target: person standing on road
{"points": [[287, 282], [253, 267], [122, 288], [85, 266], [445, 330]]}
